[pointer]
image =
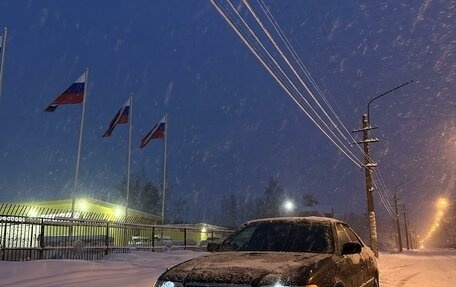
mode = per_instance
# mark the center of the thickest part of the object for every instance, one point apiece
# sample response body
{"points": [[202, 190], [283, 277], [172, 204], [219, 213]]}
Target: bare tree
{"points": [[229, 211], [309, 200], [274, 195], [143, 194]]}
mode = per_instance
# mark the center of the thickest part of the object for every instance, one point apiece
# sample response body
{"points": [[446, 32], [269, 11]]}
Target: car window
{"points": [[352, 235], [283, 237], [345, 234], [238, 239], [342, 235], [312, 238]]}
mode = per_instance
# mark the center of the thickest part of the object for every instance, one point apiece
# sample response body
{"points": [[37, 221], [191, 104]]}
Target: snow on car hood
{"points": [[242, 267]]}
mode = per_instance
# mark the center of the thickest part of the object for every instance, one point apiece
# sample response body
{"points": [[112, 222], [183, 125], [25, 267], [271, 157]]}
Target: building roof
{"points": [[85, 208]]}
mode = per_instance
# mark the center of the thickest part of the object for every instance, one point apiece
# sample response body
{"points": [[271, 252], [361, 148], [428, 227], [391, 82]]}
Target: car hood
{"points": [[254, 268]]}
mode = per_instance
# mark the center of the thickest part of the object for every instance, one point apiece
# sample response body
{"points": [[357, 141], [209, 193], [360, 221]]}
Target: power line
{"points": [[258, 48]]}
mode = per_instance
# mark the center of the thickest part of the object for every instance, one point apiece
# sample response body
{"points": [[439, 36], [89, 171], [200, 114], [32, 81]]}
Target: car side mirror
{"points": [[212, 246], [351, 248]]}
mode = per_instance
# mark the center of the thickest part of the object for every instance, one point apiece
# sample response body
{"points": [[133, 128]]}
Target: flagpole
{"points": [[3, 51], [79, 145], [164, 170], [130, 119]]}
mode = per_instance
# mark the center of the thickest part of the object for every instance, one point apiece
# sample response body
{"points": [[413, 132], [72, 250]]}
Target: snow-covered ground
{"points": [[411, 268], [418, 268]]}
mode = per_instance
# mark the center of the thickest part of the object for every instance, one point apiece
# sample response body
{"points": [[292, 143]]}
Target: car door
{"points": [[367, 269], [350, 265]]}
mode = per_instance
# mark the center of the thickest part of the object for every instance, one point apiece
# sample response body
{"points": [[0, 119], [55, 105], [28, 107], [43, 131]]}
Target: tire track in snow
{"points": [[407, 279]]}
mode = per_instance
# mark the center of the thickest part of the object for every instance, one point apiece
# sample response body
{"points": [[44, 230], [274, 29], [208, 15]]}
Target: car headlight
{"points": [[166, 283], [278, 284]]}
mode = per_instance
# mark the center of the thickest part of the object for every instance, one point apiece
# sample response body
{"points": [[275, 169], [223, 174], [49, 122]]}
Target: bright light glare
{"points": [[278, 284], [119, 211], [442, 203], [83, 205], [169, 284], [288, 205]]}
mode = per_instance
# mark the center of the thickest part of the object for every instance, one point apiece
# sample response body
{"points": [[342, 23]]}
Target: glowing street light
{"points": [[83, 205], [442, 203], [288, 206], [119, 211]]}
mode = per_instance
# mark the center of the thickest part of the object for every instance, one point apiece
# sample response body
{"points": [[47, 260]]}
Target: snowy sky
{"points": [[231, 127], [141, 269]]}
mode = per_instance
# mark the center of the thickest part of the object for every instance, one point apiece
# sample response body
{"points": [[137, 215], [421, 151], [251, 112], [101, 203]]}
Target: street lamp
{"points": [[442, 203], [288, 206], [383, 94]]}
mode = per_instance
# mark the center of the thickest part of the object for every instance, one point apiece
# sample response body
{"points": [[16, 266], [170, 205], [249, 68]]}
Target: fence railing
{"points": [[28, 238]]}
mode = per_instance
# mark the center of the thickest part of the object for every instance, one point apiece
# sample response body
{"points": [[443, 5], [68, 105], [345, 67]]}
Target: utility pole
{"points": [[369, 182], [406, 228], [368, 168], [412, 238], [399, 237]]}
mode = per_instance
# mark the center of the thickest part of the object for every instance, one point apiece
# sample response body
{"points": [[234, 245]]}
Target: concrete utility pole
{"points": [[410, 234], [399, 237], [406, 228], [368, 169], [368, 166]]}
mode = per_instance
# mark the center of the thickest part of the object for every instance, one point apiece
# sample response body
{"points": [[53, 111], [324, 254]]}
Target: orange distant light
{"points": [[442, 203]]}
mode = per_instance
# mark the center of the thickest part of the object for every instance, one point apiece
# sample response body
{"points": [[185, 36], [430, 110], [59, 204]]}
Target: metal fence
{"points": [[28, 238]]}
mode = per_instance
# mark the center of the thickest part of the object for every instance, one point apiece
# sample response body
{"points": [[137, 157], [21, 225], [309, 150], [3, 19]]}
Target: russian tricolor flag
{"points": [[158, 132], [73, 95], [120, 118]]}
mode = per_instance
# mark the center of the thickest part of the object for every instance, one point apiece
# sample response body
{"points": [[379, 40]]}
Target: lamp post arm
{"points": [[381, 95]]}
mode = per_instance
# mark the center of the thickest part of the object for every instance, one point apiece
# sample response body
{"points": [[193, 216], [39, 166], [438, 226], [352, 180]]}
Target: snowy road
{"points": [[141, 269], [418, 268]]}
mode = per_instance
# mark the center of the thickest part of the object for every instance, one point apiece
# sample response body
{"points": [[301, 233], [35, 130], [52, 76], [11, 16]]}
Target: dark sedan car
{"points": [[294, 251]]}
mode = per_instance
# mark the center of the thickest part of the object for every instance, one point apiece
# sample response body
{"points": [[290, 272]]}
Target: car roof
{"points": [[315, 219]]}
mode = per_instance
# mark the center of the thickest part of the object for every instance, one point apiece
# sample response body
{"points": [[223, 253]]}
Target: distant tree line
{"points": [[234, 210], [144, 195]]}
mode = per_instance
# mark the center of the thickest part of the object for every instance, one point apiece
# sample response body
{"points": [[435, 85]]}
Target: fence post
{"points": [[3, 246], [185, 238], [42, 239], [107, 239], [153, 239]]}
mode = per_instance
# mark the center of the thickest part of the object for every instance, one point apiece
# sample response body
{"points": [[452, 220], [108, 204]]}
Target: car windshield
{"points": [[302, 236]]}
